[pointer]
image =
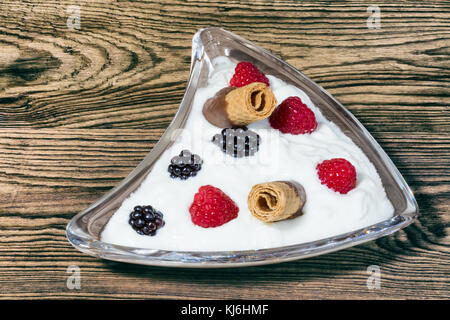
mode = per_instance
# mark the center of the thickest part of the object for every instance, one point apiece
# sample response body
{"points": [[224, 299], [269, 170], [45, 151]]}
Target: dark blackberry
{"points": [[185, 165], [145, 220], [237, 142]]}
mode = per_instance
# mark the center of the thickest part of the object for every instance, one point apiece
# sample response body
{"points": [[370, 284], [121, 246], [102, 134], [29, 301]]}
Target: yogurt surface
{"points": [[280, 157]]}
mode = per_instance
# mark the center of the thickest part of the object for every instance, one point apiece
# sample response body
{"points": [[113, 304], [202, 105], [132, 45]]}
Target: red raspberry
{"points": [[337, 174], [293, 116], [245, 73], [212, 208]]}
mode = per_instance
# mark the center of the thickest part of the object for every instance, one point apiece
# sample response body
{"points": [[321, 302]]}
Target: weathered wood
{"points": [[79, 109]]}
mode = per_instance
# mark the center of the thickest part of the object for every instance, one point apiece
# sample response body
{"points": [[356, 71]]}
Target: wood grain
{"points": [[79, 109]]}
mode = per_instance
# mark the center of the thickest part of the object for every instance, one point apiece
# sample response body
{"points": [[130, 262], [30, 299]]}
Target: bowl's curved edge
{"points": [[164, 139], [210, 259]]}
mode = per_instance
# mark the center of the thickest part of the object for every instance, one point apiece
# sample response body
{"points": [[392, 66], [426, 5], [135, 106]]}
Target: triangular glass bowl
{"points": [[85, 228]]}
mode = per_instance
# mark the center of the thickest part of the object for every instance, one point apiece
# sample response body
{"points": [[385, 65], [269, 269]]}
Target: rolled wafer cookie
{"points": [[275, 201], [232, 107]]}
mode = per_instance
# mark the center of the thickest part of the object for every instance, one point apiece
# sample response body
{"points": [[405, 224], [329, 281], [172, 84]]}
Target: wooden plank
{"points": [[79, 109], [34, 211]]}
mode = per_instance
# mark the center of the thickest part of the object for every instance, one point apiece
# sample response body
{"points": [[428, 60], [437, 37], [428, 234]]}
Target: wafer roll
{"points": [[232, 107], [275, 201]]}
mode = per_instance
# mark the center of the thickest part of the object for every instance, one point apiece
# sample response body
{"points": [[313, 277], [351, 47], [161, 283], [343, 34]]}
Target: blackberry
{"points": [[185, 165], [145, 220], [237, 142]]}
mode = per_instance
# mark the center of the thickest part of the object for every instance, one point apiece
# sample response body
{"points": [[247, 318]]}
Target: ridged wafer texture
{"points": [[249, 103], [276, 201]]}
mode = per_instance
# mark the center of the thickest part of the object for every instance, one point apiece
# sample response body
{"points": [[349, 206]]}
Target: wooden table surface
{"points": [[80, 108]]}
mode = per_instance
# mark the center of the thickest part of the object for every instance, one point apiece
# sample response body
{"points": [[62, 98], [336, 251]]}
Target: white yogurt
{"points": [[281, 157]]}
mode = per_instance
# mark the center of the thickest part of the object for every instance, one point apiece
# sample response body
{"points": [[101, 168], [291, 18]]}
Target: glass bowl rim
{"points": [[215, 259]]}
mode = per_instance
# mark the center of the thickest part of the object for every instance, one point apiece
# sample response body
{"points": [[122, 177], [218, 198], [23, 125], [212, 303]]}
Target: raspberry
{"points": [[212, 208], [337, 174], [245, 73], [293, 116]]}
